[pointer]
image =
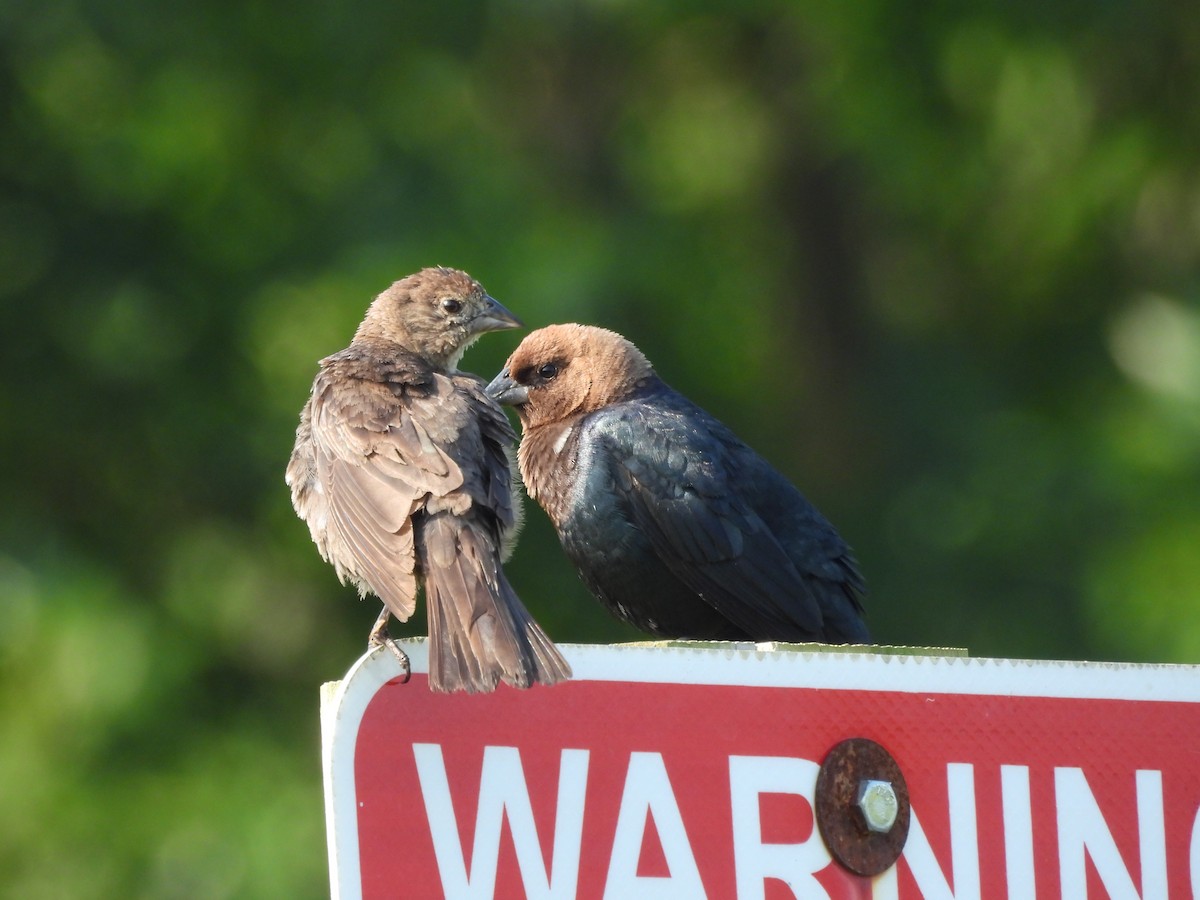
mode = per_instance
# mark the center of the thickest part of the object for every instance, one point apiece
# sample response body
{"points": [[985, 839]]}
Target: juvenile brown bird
{"points": [[674, 523], [401, 470]]}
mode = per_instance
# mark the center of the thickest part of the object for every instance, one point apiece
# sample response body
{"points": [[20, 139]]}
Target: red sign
{"points": [[690, 772]]}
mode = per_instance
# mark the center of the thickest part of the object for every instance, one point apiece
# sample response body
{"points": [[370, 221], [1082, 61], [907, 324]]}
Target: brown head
{"points": [[567, 370], [437, 313]]}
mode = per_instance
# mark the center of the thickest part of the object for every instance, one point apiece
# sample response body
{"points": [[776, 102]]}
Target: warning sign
{"points": [[691, 772]]}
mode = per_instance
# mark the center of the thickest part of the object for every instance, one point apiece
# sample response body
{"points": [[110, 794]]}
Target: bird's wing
{"points": [[680, 492], [380, 454], [497, 439]]}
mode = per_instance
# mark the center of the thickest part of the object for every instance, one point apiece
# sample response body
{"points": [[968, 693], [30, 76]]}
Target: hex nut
{"points": [[879, 806]]}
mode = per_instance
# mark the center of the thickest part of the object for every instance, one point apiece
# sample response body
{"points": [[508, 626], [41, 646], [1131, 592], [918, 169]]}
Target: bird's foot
{"points": [[380, 638]]}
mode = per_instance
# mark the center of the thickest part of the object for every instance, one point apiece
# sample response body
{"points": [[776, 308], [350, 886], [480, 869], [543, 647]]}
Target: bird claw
{"points": [[380, 638]]}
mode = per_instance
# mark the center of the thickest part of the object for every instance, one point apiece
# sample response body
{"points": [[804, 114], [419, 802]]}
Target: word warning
{"points": [[688, 772]]}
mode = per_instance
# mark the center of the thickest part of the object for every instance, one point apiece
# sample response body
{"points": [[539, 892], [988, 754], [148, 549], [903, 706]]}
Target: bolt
{"points": [[878, 804]]}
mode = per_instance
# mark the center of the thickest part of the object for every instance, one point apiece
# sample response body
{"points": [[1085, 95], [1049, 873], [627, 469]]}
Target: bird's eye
{"points": [[548, 371], [451, 305]]}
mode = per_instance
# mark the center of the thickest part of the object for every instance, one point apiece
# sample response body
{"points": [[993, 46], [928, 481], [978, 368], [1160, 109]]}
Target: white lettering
{"points": [[1018, 832], [886, 886], [1082, 830], [964, 843], [648, 792], [1152, 834], [503, 790], [755, 861], [1194, 856]]}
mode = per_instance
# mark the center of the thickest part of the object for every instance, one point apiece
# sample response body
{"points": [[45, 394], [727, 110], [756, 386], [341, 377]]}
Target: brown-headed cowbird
{"points": [[674, 523], [402, 471]]}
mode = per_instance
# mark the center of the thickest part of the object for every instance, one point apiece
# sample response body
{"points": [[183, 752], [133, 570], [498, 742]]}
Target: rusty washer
{"points": [[862, 806]]}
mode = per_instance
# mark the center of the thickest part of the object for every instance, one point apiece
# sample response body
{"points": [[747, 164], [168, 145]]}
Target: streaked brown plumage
{"points": [[402, 471]]}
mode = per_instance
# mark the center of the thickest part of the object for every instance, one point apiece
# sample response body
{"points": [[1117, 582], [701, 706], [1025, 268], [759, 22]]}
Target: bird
{"points": [[402, 469], [674, 523]]}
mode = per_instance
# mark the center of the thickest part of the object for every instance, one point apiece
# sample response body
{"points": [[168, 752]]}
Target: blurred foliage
{"points": [[939, 263]]}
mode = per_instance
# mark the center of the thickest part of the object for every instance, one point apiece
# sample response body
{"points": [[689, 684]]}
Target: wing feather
{"points": [[376, 465], [680, 493]]}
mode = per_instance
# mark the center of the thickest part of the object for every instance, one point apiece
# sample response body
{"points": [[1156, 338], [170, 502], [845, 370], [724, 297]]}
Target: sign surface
{"points": [[689, 772]]}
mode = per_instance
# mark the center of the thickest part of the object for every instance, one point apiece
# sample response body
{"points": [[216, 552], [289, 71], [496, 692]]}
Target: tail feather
{"points": [[479, 631]]}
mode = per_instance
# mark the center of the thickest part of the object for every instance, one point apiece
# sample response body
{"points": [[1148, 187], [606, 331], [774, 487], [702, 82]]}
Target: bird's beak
{"points": [[494, 317], [507, 392]]}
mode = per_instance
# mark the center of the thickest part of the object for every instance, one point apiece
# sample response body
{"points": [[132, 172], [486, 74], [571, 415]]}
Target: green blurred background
{"points": [[937, 262]]}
